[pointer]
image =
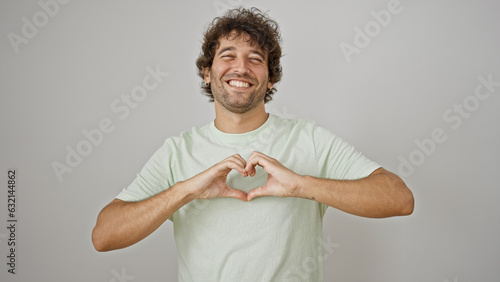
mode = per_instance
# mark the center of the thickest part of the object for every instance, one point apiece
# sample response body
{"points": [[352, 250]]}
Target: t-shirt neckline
{"points": [[235, 138]]}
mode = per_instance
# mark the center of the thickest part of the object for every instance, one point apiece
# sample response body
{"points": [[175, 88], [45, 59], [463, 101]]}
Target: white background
{"points": [[405, 83]]}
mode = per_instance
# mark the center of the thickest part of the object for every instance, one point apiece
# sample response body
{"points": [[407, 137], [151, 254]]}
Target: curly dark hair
{"points": [[262, 30]]}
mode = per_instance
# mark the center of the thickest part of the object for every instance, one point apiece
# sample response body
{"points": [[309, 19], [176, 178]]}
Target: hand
{"points": [[211, 183], [281, 182]]}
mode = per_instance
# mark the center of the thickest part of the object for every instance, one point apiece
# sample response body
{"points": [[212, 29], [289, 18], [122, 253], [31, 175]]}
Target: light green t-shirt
{"points": [[268, 238]]}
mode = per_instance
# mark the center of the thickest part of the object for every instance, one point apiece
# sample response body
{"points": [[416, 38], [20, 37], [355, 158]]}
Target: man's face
{"points": [[239, 75]]}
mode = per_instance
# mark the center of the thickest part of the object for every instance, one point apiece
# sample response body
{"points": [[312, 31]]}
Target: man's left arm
{"points": [[381, 194]]}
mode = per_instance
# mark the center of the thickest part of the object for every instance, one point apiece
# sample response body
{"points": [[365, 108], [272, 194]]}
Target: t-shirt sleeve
{"points": [[152, 179], [337, 159]]}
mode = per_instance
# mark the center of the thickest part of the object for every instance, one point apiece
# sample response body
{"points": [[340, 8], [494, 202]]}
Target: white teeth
{"points": [[237, 83]]}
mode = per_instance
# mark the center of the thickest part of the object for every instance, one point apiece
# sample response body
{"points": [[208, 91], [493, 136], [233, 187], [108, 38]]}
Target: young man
{"points": [[247, 192]]}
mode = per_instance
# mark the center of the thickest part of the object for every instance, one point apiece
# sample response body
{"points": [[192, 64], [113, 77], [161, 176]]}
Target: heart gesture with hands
{"points": [[211, 183]]}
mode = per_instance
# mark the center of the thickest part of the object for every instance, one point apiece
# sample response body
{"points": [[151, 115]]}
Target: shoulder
{"points": [[307, 127], [293, 123], [187, 138]]}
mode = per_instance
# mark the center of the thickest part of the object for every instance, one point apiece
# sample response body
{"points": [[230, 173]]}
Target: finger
{"points": [[252, 161], [227, 166], [260, 156], [239, 158], [236, 162], [241, 163], [257, 159]]}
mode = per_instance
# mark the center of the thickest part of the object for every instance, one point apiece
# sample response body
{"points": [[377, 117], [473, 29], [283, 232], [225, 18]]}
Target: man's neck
{"points": [[229, 122]]}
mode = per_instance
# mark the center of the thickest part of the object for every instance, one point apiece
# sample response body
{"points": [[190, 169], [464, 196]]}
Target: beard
{"points": [[235, 101]]}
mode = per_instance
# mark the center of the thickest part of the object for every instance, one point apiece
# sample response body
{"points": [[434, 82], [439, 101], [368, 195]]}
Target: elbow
{"points": [[400, 201], [99, 241], [404, 200], [407, 203]]}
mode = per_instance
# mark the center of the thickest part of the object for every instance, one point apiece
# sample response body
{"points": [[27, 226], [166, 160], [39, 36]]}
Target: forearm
{"points": [[382, 194], [121, 224]]}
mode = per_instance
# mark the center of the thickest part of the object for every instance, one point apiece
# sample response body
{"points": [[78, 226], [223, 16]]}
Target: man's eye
{"points": [[256, 60]]}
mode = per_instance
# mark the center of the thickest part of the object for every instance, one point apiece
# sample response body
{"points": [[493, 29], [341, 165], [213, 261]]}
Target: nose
{"points": [[241, 66]]}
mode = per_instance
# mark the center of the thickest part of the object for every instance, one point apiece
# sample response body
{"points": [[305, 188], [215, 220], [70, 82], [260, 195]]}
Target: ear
{"points": [[206, 75], [269, 85]]}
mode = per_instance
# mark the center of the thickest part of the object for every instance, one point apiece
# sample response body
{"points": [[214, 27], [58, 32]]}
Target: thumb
{"points": [[234, 193], [257, 192]]}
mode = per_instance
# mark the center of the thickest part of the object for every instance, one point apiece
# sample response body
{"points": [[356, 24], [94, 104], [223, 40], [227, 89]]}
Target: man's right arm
{"points": [[121, 224]]}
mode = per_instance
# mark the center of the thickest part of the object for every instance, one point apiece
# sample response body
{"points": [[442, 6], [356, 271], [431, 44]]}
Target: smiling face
{"points": [[238, 76]]}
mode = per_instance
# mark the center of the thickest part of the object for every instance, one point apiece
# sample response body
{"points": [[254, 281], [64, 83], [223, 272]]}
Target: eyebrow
{"points": [[232, 48]]}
